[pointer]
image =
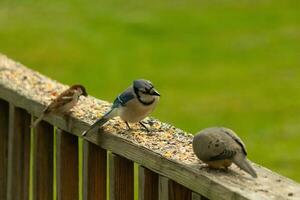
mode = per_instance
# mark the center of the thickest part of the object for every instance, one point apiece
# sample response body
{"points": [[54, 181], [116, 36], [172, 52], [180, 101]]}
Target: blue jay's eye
{"points": [[143, 91]]}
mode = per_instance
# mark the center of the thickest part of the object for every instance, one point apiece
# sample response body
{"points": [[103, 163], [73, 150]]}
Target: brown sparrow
{"points": [[63, 103]]}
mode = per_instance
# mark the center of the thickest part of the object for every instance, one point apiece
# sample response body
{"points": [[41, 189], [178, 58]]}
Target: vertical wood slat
{"points": [[43, 162], [67, 181], [196, 196], [121, 178], [171, 190], [148, 184], [4, 115], [178, 192], [18, 154], [94, 172], [163, 188]]}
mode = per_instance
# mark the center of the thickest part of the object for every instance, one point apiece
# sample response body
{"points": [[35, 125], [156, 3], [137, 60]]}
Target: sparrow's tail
{"points": [[40, 118], [244, 164], [100, 122]]}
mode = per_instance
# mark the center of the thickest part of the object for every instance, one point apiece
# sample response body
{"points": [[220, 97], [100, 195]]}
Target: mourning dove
{"points": [[219, 147]]}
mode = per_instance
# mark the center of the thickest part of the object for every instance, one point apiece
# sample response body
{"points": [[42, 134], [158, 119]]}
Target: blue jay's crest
{"points": [[142, 83], [145, 87]]}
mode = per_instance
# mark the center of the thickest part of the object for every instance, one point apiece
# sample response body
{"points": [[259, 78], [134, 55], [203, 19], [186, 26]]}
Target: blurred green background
{"points": [[216, 63]]}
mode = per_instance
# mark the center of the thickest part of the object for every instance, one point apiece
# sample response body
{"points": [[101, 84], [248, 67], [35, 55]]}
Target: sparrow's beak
{"points": [[154, 92]]}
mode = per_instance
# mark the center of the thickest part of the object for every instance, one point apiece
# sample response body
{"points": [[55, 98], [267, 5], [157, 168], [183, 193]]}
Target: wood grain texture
{"points": [[209, 183], [67, 174], [18, 154], [163, 188], [121, 178], [148, 184], [178, 192], [4, 115], [94, 172], [196, 196], [43, 162]]}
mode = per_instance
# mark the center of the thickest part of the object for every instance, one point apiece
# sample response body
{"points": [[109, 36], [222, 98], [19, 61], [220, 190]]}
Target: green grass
{"points": [[216, 63]]}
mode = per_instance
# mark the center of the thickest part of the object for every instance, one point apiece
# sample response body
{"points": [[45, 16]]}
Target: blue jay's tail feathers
{"points": [[33, 125], [100, 122], [245, 165]]}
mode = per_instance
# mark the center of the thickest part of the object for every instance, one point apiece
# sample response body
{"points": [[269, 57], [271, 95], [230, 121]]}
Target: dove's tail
{"points": [[40, 118], [244, 164], [100, 122]]}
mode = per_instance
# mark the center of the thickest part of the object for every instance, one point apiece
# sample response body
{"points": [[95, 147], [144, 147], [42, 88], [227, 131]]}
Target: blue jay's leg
{"points": [[127, 125], [143, 125]]}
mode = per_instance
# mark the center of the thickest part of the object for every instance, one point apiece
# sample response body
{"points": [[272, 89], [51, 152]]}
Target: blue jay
{"points": [[132, 105]]}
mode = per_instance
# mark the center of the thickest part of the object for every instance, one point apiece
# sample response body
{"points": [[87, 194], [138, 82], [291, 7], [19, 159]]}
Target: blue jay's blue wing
{"points": [[123, 98]]}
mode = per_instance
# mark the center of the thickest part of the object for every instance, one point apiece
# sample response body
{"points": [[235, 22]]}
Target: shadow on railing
{"points": [[167, 167]]}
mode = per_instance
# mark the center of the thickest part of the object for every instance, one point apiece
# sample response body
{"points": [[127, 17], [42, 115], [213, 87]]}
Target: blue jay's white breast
{"points": [[134, 111]]}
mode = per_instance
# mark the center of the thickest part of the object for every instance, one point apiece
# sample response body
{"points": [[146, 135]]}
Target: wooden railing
{"points": [[167, 167]]}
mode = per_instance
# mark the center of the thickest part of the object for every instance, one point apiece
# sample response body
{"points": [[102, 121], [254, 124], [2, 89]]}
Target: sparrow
{"points": [[63, 103]]}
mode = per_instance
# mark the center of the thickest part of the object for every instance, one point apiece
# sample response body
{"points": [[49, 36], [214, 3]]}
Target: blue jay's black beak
{"points": [[154, 92]]}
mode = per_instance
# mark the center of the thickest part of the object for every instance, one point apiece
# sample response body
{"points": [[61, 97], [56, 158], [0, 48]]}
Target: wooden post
{"points": [[148, 184], [43, 162], [67, 166], [121, 178], [18, 154], [94, 172], [4, 114], [178, 192]]}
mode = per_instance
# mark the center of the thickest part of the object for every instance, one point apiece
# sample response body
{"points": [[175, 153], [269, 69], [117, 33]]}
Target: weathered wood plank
{"points": [[43, 162], [178, 192], [212, 184], [18, 154], [4, 115], [148, 184], [163, 188], [94, 172], [121, 178], [67, 181]]}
